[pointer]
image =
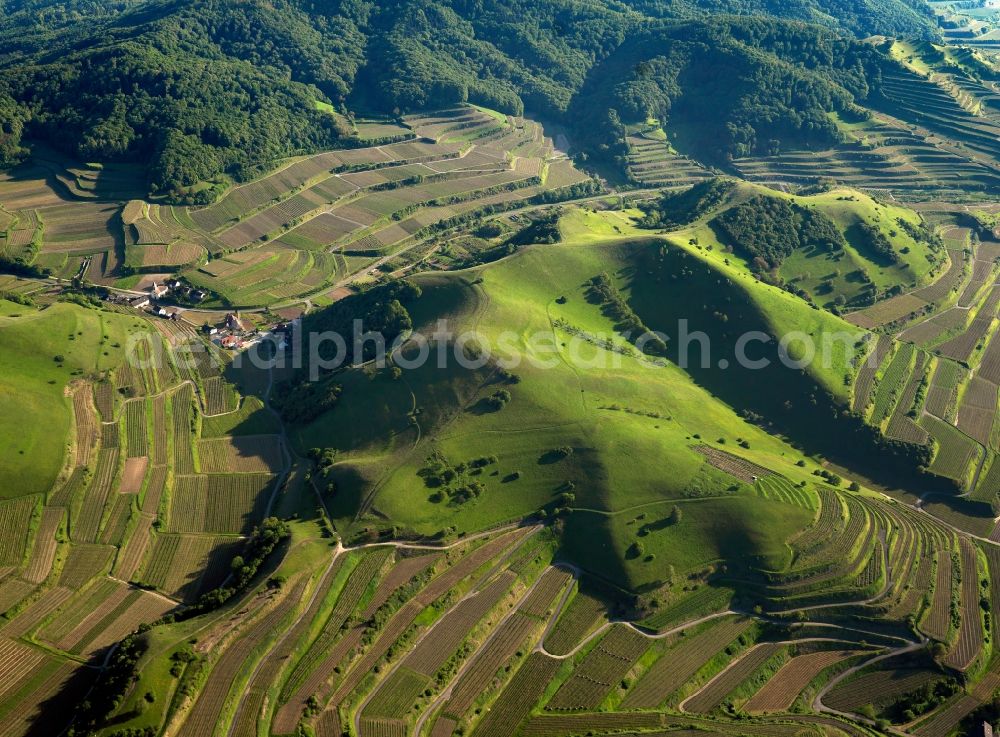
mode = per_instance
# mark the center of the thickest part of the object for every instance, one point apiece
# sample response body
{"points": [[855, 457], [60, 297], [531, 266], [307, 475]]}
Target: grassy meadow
{"points": [[631, 424], [41, 353]]}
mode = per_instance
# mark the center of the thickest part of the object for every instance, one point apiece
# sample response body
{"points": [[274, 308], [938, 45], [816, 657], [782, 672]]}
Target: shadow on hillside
{"points": [[52, 716]]}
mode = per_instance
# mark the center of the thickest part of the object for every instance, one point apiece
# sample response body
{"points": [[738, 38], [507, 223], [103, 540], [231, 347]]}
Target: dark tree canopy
{"points": [[196, 90], [766, 230]]}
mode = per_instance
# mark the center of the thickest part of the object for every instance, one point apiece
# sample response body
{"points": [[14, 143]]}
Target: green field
{"points": [[41, 353], [627, 469], [678, 482], [848, 274], [613, 416]]}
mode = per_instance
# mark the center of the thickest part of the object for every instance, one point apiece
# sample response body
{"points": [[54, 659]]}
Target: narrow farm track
{"points": [[818, 704], [892, 575], [648, 635], [692, 623], [681, 707], [449, 687], [243, 709], [290, 631]]}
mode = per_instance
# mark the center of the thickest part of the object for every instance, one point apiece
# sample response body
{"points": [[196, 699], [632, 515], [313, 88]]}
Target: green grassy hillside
{"points": [[426, 451], [106, 100], [41, 353], [843, 269]]}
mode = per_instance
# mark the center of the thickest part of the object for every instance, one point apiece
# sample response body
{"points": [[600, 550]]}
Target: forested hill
{"points": [[883, 17], [729, 87], [193, 89]]}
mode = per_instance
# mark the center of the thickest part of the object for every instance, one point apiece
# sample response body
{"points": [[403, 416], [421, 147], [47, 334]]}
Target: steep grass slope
{"points": [[41, 353], [583, 419]]}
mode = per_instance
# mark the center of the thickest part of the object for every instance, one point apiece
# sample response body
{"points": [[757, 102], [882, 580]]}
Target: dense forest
{"points": [[676, 208], [730, 87], [196, 90], [766, 230]]}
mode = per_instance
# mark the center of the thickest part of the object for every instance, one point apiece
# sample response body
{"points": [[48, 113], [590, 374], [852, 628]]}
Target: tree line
{"points": [[211, 91]]}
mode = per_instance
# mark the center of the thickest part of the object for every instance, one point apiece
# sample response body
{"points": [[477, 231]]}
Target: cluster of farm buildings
{"points": [[151, 301], [233, 332]]}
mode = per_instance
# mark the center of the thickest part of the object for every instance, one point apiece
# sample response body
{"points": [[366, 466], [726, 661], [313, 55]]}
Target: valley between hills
{"points": [[608, 511]]}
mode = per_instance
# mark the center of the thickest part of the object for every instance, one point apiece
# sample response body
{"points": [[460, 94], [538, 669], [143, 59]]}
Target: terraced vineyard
{"points": [[483, 635], [652, 162], [287, 235], [889, 156], [779, 693], [295, 232], [947, 400], [646, 548], [93, 560]]}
